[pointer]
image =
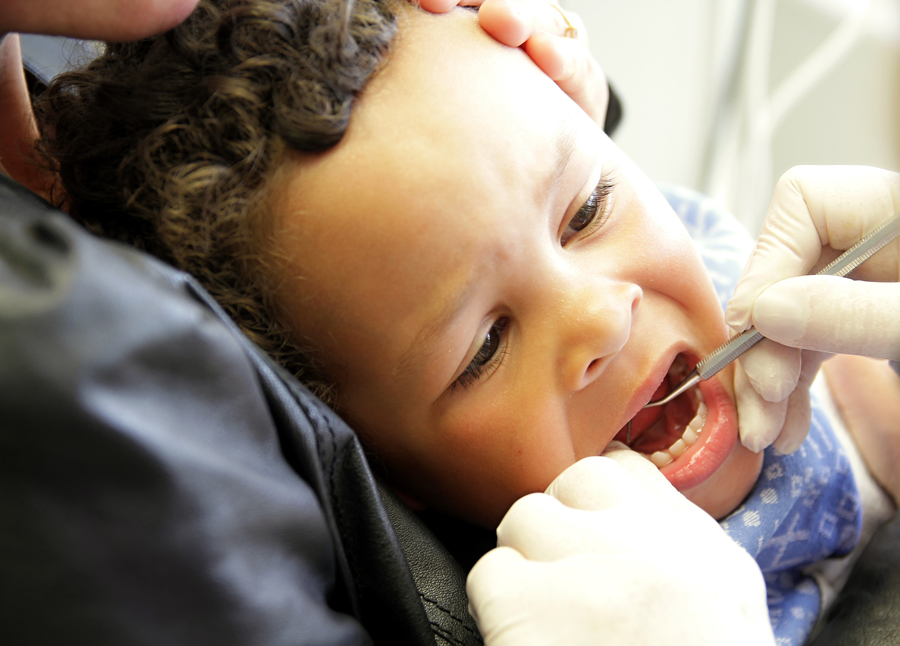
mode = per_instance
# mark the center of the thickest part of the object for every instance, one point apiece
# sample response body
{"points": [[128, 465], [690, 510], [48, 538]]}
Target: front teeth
{"points": [[690, 435]]}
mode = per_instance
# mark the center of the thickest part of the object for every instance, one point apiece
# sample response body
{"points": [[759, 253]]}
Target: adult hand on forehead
{"points": [[540, 27], [613, 554], [816, 211]]}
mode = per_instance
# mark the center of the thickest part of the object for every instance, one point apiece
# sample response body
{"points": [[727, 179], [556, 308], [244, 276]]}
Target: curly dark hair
{"points": [[167, 143]]}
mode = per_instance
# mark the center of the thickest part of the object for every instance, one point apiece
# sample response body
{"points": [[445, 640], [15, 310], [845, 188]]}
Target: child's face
{"points": [[487, 325]]}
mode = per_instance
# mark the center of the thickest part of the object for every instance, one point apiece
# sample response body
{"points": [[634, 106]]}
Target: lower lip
{"points": [[715, 443]]}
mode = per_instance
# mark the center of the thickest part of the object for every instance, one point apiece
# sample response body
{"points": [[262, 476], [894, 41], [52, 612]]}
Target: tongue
{"points": [[679, 413], [656, 429]]}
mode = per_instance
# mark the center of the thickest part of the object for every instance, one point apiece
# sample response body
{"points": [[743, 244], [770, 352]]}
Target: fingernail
{"points": [[562, 54], [786, 447], [782, 315], [734, 319], [751, 441]]}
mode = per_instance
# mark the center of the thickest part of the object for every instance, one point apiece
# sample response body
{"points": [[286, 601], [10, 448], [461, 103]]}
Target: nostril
{"points": [[592, 369], [636, 301]]}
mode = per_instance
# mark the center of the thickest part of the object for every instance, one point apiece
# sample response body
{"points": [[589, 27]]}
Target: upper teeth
{"points": [[678, 370], [690, 435]]}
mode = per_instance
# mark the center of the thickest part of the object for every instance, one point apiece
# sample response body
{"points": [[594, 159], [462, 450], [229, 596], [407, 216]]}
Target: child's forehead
{"points": [[445, 112], [449, 58]]}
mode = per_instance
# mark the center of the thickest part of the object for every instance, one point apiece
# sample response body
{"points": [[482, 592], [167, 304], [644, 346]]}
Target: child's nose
{"points": [[595, 327]]}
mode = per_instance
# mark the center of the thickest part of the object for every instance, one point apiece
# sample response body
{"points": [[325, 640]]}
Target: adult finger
{"points": [[813, 207], [772, 369], [513, 22], [604, 482], [500, 564], [832, 314], [759, 421], [648, 476], [799, 412], [94, 19], [574, 69], [543, 529], [560, 532]]}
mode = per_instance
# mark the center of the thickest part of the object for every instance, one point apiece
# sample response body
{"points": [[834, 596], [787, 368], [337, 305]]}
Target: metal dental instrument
{"points": [[728, 352]]}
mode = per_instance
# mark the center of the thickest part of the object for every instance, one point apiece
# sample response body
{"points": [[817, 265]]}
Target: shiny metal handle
{"points": [[864, 249], [840, 266], [728, 352], [732, 349]]}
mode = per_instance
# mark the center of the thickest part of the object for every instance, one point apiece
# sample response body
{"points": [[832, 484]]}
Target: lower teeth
{"points": [[688, 438]]}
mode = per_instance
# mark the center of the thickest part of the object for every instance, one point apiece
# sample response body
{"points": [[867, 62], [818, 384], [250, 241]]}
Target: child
{"points": [[434, 237]]}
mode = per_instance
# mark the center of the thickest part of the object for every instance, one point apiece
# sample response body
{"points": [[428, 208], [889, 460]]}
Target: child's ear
{"points": [[411, 502]]}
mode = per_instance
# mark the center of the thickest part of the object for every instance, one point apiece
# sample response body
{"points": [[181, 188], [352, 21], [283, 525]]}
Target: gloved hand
{"points": [[539, 27], [613, 554], [815, 211]]}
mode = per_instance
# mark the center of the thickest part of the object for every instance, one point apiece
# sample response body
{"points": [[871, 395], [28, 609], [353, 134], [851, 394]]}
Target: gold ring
{"points": [[570, 31]]}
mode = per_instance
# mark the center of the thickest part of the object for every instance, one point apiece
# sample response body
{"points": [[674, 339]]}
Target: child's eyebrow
{"points": [[423, 346], [566, 137]]}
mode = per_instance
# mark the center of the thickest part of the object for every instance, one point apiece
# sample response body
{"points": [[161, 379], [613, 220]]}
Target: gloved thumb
{"points": [[832, 314]]}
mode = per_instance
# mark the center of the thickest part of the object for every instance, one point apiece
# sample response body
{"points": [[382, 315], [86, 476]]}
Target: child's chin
{"points": [[726, 489]]}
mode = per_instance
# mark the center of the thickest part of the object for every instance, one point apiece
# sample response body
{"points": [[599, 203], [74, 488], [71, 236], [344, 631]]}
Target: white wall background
{"points": [[714, 99]]}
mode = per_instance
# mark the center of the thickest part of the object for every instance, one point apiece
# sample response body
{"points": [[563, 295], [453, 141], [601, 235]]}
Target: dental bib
{"points": [[804, 508]]}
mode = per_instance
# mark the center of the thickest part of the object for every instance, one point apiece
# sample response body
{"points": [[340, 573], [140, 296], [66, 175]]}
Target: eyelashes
{"points": [[488, 356], [592, 214], [590, 217]]}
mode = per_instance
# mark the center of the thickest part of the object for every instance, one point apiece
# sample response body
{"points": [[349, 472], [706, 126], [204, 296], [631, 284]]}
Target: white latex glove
{"points": [[813, 207], [613, 554]]}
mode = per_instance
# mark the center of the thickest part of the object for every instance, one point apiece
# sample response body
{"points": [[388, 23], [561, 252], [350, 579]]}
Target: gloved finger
{"points": [[600, 482], [617, 478], [796, 423], [647, 475], [571, 65], [561, 530], [812, 206], [759, 421], [832, 314], [543, 529], [501, 564], [513, 22], [847, 202], [799, 413], [618, 600], [772, 369], [520, 602]]}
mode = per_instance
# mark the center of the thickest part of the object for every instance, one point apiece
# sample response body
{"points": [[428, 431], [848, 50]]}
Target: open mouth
{"points": [[664, 433]]}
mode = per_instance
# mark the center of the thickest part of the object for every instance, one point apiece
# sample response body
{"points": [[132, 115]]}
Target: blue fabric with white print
{"points": [[805, 507]]}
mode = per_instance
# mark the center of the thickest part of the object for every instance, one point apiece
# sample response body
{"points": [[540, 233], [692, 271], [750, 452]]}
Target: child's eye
{"points": [[592, 213], [487, 355]]}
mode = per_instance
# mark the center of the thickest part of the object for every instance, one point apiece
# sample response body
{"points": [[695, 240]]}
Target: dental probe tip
{"points": [[690, 381]]}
